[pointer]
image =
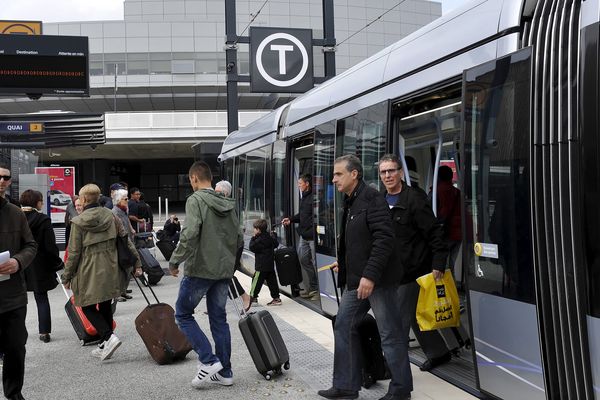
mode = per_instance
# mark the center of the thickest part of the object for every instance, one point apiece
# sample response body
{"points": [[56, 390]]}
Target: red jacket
{"points": [[449, 210]]}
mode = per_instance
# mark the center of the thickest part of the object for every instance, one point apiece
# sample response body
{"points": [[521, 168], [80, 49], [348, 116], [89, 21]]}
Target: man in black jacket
{"points": [[365, 246], [419, 248], [16, 238], [306, 247]]}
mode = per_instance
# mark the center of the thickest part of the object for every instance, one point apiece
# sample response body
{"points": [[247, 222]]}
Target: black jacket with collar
{"points": [[418, 246], [15, 237], [262, 246], [304, 218], [366, 238]]}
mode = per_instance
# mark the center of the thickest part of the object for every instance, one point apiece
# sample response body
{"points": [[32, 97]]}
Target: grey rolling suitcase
{"points": [[264, 342]]}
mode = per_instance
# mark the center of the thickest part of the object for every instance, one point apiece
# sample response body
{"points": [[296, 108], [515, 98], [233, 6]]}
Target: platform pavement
{"points": [[62, 369]]}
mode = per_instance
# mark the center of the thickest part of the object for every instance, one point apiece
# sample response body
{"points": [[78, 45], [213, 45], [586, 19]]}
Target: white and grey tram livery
{"points": [[507, 91]]}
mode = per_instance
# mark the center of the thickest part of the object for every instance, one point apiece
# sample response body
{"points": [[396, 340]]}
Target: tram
{"points": [[507, 93]]}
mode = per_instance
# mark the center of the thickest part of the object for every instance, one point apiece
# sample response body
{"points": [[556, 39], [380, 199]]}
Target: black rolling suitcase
{"points": [[264, 341], [166, 247], [288, 266], [374, 366], [152, 269], [85, 331]]}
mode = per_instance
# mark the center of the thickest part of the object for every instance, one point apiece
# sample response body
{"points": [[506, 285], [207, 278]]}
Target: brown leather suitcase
{"points": [[159, 332]]}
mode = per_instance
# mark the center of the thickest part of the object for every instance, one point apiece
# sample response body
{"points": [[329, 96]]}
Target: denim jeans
{"points": [[393, 317], [191, 292], [306, 254]]}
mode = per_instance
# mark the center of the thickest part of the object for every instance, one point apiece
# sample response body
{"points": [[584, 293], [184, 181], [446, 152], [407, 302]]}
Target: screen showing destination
{"points": [[52, 65]]}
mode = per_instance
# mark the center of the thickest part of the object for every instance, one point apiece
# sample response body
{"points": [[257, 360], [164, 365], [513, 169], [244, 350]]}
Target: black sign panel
{"points": [[54, 65], [281, 60]]}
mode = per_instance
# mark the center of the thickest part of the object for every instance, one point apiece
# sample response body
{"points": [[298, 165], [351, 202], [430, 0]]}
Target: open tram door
{"points": [[302, 154], [427, 138]]}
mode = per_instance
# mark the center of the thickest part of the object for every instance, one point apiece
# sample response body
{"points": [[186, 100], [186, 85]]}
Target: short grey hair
{"points": [[223, 187], [118, 195], [352, 163]]}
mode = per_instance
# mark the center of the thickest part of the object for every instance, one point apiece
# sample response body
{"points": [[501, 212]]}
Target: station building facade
{"points": [[159, 78]]}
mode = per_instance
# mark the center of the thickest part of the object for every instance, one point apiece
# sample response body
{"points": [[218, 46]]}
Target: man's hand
{"points": [[139, 271], [285, 221], [335, 266], [174, 269], [437, 275], [9, 267], [67, 285], [365, 288]]}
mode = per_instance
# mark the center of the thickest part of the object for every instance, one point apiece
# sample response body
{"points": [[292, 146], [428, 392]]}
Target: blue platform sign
{"points": [[21, 127]]}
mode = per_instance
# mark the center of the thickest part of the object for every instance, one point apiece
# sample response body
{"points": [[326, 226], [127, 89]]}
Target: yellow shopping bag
{"points": [[438, 305]]}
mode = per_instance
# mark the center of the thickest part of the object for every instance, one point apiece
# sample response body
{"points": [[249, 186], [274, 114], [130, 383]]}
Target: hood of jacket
{"points": [[218, 203], [97, 224]]}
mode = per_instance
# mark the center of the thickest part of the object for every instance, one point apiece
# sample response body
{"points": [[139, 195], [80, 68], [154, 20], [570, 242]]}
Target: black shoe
{"points": [[121, 299], [390, 396], [128, 291], [434, 362], [125, 295], [334, 393], [45, 337]]}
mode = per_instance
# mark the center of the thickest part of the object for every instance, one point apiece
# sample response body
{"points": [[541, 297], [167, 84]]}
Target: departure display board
{"points": [[39, 64]]}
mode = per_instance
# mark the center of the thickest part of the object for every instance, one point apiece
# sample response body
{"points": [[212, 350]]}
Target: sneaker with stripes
{"points": [[205, 372], [221, 380]]}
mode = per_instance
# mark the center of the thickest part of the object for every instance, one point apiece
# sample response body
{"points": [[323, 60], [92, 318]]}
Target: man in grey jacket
{"points": [[17, 240], [208, 245]]}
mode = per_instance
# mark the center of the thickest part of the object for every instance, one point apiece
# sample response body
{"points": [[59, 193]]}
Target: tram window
{"points": [[364, 135], [238, 184], [323, 191], [497, 176], [279, 177], [254, 189]]}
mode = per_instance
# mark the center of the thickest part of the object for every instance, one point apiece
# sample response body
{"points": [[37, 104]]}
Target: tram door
{"points": [[302, 165], [498, 247]]}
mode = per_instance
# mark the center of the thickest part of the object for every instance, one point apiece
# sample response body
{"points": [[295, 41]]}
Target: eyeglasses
{"points": [[5, 177], [389, 171]]}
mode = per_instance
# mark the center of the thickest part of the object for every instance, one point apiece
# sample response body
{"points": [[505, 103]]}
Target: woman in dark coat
{"points": [[40, 276]]}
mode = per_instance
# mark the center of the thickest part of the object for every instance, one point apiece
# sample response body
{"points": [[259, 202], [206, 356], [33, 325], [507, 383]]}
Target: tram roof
{"points": [[259, 133], [473, 23]]}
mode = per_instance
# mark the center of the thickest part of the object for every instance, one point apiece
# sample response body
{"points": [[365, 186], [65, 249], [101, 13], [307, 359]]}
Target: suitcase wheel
{"points": [[286, 366], [267, 376]]}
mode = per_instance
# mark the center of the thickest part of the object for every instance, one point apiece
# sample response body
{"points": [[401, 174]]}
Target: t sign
{"points": [[281, 60]]}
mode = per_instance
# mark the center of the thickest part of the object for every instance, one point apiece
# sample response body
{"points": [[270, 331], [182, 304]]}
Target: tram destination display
{"points": [[37, 64]]}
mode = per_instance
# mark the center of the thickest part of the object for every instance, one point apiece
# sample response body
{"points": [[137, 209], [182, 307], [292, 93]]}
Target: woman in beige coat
{"points": [[92, 270]]}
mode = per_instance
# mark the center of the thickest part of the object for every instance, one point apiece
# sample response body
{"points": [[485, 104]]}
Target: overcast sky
{"points": [[90, 10]]}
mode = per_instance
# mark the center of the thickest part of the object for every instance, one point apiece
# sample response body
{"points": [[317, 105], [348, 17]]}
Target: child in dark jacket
{"points": [[262, 245]]}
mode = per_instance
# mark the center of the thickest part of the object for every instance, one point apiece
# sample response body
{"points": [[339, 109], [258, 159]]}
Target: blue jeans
{"points": [[392, 313], [191, 292]]}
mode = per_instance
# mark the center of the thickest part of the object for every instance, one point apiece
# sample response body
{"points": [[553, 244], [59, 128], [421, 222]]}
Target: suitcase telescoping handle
{"points": [[142, 290], [335, 289], [63, 286], [243, 312]]}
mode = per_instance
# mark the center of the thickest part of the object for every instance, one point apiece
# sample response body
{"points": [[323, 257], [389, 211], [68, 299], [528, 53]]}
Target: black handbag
{"points": [[125, 257]]}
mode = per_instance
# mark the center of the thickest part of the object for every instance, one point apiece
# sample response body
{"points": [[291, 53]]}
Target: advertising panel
{"points": [[62, 189]]}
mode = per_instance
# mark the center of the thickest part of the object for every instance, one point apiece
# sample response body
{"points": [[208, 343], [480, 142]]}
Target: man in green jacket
{"points": [[208, 245], [16, 238]]}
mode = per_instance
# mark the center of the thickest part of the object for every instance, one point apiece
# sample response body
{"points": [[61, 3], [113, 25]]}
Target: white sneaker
{"points": [[221, 380], [97, 352], [110, 346], [205, 372]]}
